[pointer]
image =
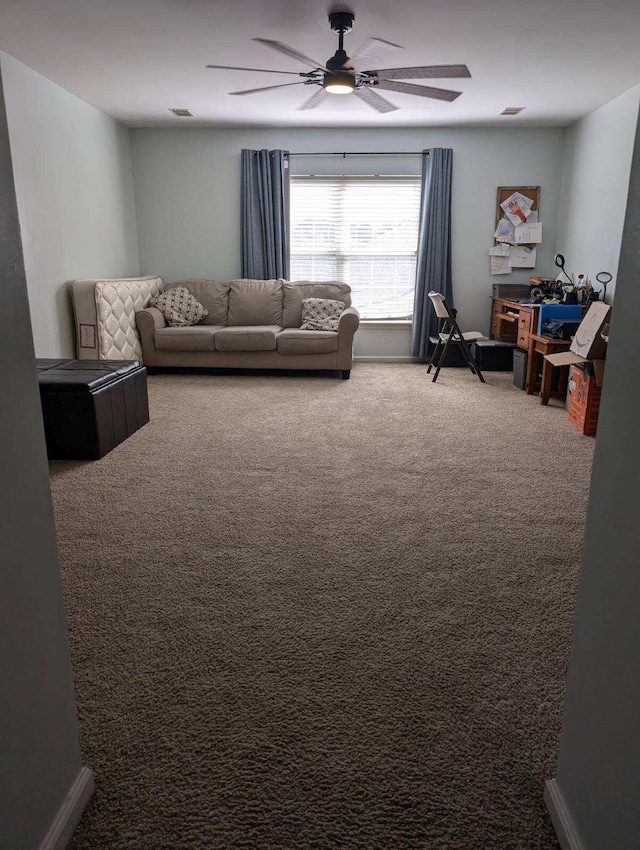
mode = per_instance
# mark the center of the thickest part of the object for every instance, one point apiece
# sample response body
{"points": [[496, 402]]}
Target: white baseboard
{"points": [[70, 812], [381, 359], [563, 824]]}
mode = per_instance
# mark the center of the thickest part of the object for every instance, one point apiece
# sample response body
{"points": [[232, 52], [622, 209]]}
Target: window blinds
{"points": [[361, 230]]}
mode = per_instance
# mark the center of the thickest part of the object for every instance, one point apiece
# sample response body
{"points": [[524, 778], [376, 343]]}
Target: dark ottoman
{"points": [[493, 355], [90, 406]]}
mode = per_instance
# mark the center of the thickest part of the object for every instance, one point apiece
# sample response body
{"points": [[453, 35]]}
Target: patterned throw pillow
{"points": [[179, 307], [320, 314]]}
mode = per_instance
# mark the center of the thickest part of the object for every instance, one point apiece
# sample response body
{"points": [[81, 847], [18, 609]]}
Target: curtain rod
{"points": [[344, 154]]}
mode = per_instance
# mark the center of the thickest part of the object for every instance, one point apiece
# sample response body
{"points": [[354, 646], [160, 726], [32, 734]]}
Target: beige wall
{"points": [[597, 785], [72, 167], [39, 751], [595, 181]]}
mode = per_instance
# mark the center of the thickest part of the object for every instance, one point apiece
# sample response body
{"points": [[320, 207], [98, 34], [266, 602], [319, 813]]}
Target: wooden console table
{"points": [[515, 322], [518, 323]]}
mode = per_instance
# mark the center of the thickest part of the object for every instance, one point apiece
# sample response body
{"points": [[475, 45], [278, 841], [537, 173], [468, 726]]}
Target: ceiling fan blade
{"points": [[262, 70], [374, 100], [315, 100], [423, 72], [289, 51], [373, 50], [422, 91], [267, 88]]}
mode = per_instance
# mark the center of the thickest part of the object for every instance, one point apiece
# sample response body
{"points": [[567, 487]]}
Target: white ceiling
{"points": [[134, 59]]}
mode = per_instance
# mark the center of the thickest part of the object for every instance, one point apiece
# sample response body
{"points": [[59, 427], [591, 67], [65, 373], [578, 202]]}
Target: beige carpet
{"points": [[308, 613]]}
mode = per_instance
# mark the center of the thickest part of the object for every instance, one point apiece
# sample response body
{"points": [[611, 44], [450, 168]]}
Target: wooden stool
{"points": [[541, 345]]}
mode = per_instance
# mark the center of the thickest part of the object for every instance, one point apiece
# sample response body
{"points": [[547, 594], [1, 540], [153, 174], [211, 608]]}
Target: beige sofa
{"points": [[252, 324]]}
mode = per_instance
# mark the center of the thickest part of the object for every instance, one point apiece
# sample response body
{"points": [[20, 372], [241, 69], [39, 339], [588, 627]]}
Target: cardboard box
{"points": [[583, 400], [588, 343]]}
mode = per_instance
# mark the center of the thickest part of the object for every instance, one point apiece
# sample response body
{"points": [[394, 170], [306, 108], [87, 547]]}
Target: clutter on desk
{"points": [[553, 310], [518, 229], [585, 293], [560, 328], [564, 290], [560, 263], [525, 329], [603, 279], [559, 312], [544, 287]]}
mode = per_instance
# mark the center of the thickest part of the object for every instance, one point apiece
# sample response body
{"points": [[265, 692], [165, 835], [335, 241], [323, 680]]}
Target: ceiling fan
{"points": [[341, 74]]}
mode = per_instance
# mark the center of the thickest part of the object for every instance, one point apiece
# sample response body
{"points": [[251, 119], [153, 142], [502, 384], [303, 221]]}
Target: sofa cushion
{"points": [[297, 341], [255, 302], [194, 338], [212, 294], [294, 293], [247, 338], [179, 307]]}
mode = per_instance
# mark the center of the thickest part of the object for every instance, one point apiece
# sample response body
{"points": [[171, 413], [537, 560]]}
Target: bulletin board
{"points": [[511, 253], [505, 192]]}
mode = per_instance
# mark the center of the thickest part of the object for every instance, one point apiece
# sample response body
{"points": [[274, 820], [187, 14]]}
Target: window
{"points": [[362, 230]]}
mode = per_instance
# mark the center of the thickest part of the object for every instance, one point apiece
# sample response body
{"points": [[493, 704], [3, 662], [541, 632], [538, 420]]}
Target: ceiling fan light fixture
{"points": [[339, 82], [342, 74]]}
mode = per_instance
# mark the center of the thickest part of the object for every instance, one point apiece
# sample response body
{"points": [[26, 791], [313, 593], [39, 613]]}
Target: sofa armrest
{"points": [[347, 326], [150, 318], [349, 321], [148, 322]]}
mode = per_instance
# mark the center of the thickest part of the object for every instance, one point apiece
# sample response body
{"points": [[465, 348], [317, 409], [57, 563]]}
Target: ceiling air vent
{"points": [[182, 113], [511, 110]]}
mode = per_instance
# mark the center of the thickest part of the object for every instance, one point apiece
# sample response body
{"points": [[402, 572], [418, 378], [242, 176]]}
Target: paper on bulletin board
{"points": [[528, 233], [522, 256], [499, 265], [500, 250], [505, 232], [517, 207]]}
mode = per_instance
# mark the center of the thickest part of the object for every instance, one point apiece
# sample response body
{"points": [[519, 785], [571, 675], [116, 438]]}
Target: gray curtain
{"points": [[264, 186], [433, 267]]}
